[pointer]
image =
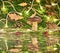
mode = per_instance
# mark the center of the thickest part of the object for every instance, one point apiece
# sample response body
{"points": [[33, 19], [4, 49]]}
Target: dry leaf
{"points": [[23, 4], [14, 50], [48, 6], [15, 16], [37, 1]]}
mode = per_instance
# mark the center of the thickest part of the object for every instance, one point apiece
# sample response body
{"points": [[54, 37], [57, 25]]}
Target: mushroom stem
{"points": [[34, 26], [35, 42]]}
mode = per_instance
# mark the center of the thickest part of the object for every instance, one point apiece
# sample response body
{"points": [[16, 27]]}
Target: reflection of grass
{"points": [[25, 37], [2, 44], [57, 33]]}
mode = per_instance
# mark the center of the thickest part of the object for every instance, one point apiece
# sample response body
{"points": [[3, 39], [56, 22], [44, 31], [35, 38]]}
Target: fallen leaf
{"points": [[14, 50], [23, 4], [15, 16], [37, 1]]}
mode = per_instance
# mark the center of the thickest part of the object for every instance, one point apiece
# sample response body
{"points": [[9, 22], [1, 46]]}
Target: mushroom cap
{"points": [[35, 19]]}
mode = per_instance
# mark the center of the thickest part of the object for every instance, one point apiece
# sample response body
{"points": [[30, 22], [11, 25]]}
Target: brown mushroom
{"points": [[34, 20], [51, 25]]}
